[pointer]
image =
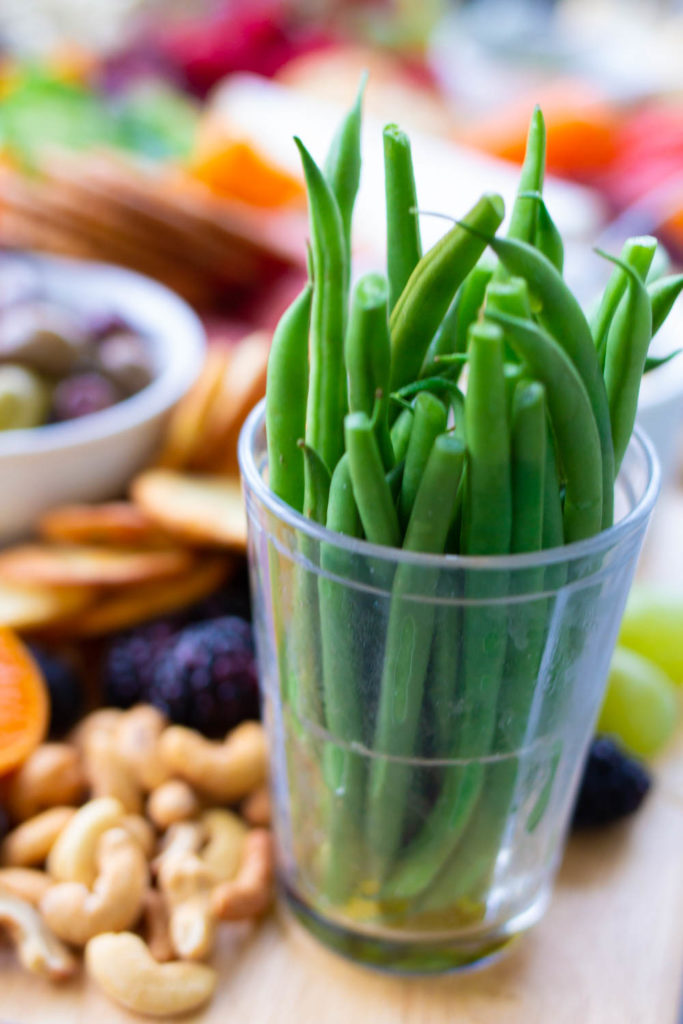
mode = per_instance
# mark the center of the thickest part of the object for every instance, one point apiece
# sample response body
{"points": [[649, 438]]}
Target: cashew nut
{"points": [[171, 802], [104, 721], [188, 879], [250, 892], [107, 772], [51, 776], [187, 884], [38, 950], [76, 915], [73, 857], [141, 830], [225, 838], [137, 739], [30, 843], [124, 968], [180, 840], [25, 883], [224, 771], [156, 926], [256, 808]]}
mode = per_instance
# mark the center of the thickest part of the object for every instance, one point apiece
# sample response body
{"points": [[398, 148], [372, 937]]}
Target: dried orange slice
{"points": [[24, 703]]}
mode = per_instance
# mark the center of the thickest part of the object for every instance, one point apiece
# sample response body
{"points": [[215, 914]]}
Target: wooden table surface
{"points": [[609, 951]]}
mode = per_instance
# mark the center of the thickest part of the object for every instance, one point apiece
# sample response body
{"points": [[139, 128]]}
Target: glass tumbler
{"points": [[428, 718]]}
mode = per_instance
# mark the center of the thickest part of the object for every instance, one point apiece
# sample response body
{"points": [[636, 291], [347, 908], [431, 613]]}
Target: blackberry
{"points": [[65, 687], [613, 785], [206, 676], [130, 659]]}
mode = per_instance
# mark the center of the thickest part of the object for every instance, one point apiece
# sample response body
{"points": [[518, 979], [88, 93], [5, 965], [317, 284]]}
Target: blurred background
{"points": [[158, 134]]}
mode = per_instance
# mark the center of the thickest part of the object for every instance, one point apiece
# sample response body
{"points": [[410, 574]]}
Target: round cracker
{"points": [[34, 607], [243, 384], [128, 607], [83, 565], [115, 523], [186, 429], [204, 510]]}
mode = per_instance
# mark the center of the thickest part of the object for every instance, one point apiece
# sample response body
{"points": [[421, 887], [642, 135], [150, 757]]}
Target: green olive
{"points": [[24, 398], [43, 337]]}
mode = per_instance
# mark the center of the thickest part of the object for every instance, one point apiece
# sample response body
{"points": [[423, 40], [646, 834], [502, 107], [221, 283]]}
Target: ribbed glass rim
{"points": [[598, 544]]}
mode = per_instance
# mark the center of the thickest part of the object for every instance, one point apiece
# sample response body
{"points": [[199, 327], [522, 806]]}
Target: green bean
{"points": [[400, 434], [572, 419], [432, 285], [409, 632], [436, 386], [528, 439], [654, 362], [444, 341], [638, 253], [344, 771], [513, 373], [342, 165], [286, 388], [404, 247], [487, 530], [661, 264], [394, 478], [663, 293], [564, 320], [370, 488], [553, 531], [626, 350], [451, 337], [524, 216], [318, 491], [488, 512], [429, 421], [547, 237], [327, 384], [367, 352]]}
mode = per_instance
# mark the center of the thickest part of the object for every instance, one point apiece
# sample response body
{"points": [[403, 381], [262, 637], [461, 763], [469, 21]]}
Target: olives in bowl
{"points": [[98, 356], [57, 364]]}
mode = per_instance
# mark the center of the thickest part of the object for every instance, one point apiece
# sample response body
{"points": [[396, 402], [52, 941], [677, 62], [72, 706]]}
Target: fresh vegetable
{"points": [[641, 705], [422, 752]]}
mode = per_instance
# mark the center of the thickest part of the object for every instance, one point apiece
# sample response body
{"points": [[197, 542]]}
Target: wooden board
{"points": [[609, 951]]}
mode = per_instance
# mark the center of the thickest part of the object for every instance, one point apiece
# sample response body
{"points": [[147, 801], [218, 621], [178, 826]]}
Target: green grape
{"points": [[653, 626], [641, 704]]}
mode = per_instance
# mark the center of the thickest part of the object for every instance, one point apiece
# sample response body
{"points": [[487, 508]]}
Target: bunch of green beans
{"points": [[370, 434]]}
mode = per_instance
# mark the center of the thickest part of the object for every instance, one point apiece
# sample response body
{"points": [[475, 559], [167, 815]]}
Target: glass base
{"points": [[411, 956]]}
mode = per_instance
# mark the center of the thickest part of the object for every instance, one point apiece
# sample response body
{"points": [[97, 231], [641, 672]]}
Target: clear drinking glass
{"points": [[428, 718]]}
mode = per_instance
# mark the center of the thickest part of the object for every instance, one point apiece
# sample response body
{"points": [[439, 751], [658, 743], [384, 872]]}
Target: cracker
{"points": [[187, 427], [203, 510], [243, 384], [83, 565], [130, 606], [34, 607], [115, 523]]}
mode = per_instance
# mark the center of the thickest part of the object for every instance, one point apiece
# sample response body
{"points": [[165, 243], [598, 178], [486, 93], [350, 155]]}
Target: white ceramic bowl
{"points": [[93, 458]]}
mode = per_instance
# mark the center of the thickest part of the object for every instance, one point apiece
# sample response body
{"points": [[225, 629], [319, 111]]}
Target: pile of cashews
{"points": [[171, 840]]}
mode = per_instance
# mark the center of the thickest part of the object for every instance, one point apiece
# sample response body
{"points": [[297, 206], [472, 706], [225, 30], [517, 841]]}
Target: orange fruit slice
{"points": [[24, 702]]}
